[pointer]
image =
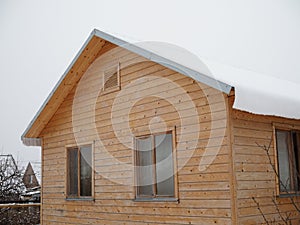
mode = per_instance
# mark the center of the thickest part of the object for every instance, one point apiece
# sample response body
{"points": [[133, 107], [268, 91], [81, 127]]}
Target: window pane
{"points": [[86, 171], [164, 165], [296, 146], [72, 171], [144, 166], [283, 160]]}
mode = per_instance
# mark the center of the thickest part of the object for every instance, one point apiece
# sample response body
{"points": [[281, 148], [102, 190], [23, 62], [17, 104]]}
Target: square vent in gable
{"points": [[111, 79]]}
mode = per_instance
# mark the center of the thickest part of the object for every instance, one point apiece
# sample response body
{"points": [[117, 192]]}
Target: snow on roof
{"points": [[254, 92], [31, 193], [260, 93]]}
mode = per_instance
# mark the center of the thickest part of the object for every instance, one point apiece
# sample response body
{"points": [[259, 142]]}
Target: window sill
{"points": [[79, 199], [176, 200], [291, 195]]}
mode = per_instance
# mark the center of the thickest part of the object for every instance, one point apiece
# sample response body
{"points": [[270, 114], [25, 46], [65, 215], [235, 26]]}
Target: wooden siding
{"points": [[205, 197], [255, 177], [88, 55]]}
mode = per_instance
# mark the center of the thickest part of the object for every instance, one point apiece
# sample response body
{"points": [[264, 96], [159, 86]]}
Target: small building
{"points": [[131, 137], [29, 178]]}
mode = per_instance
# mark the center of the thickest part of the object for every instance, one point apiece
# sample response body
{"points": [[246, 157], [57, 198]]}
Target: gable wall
{"points": [[204, 196], [254, 174]]}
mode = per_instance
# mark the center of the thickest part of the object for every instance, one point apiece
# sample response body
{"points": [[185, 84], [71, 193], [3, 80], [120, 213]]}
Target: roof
{"points": [[30, 170], [10, 159], [260, 93], [254, 92], [96, 43]]}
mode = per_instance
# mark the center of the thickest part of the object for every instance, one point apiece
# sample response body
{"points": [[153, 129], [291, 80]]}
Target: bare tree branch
{"points": [[267, 150], [11, 185], [261, 212], [285, 217]]}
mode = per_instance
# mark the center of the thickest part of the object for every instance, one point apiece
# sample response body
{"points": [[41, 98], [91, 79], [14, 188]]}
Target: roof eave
{"points": [[28, 141], [32, 141]]}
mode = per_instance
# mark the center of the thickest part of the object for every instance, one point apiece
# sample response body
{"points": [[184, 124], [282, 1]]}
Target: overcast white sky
{"points": [[39, 39]]}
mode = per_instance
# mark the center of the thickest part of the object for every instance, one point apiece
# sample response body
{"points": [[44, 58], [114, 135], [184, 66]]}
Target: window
{"points": [[288, 157], [112, 79], [154, 166], [79, 172]]}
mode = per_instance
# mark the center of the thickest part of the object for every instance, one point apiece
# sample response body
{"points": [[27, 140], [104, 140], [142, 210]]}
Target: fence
{"points": [[20, 213]]}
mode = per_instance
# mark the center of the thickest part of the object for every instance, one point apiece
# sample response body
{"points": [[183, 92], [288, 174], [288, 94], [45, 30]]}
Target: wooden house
{"points": [[131, 137]]}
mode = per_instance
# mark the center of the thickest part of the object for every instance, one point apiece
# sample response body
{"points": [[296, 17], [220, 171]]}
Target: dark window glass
{"points": [[164, 165], [296, 147], [85, 171], [288, 160], [73, 171], [79, 171], [154, 161], [144, 166], [283, 160]]}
